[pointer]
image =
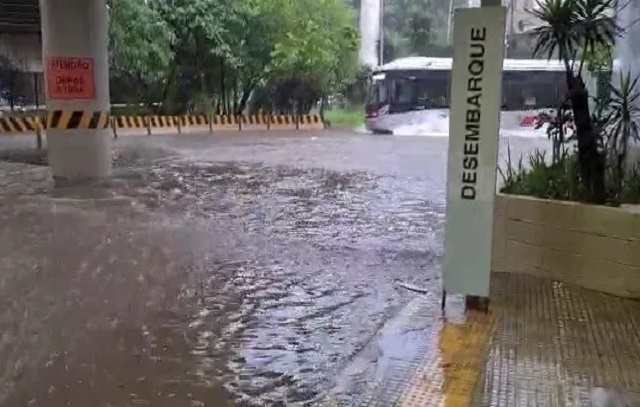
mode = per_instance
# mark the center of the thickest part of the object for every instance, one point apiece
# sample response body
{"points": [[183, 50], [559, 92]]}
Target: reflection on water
{"points": [[190, 282], [309, 292]]}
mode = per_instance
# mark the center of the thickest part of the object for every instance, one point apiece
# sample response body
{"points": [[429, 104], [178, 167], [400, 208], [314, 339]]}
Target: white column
{"points": [[76, 65], [370, 31]]}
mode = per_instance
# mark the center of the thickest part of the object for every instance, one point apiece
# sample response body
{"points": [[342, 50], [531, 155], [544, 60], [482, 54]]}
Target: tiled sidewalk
{"points": [[543, 344]]}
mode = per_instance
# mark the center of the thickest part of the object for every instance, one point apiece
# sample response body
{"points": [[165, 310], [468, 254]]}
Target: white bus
{"points": [[415, 90]]}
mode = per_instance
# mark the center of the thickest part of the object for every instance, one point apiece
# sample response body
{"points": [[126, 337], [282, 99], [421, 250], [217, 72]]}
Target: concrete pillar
{"points": [[370, 31], [76, 65]]}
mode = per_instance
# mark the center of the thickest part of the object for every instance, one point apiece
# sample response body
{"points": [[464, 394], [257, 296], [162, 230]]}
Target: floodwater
{"points": [[244, 269]]}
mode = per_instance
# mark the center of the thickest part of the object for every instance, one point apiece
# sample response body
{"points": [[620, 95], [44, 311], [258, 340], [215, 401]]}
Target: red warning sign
{"points": [[70, 78]]}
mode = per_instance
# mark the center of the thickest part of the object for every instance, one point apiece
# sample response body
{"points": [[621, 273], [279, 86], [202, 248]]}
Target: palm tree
{"points": [[623, 123], [571, 30]]}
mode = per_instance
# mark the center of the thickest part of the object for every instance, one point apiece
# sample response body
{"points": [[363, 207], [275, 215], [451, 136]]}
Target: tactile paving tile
{"points": [[543, 344], [450, 376], [554, 344]]}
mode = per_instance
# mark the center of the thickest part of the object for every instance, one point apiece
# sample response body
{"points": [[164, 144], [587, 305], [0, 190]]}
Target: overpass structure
{"points": [[19, 16], [67, 40], [20, 52]]}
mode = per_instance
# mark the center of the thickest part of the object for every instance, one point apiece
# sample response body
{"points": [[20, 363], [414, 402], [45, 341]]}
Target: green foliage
{"points": [[630, 190], [345, 118], [197, 55], [622, 126], [319, 44], [139, 50], [542, 178], [599, 59], [560, 180], [416, 28], [575, 30], [572, 29], [617, 124]]}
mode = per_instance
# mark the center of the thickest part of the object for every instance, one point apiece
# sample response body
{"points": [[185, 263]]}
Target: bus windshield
{"points": [[404, 90]]}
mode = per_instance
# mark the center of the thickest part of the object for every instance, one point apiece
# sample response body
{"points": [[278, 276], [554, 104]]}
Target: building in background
{"points": [[520, 28], [519, 40]]}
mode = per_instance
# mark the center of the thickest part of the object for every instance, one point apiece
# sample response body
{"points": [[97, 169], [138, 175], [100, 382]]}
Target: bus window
{"points": [[434, 93], [378, 97], [531, 90], [377, 93], [419, 90], [405, 91]]}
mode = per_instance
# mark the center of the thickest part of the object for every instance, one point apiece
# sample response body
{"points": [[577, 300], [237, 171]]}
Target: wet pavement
{"points": [[251, 269]]}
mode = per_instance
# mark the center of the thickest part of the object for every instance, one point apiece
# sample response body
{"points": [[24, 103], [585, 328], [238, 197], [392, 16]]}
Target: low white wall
{"points": [[596, 247]]}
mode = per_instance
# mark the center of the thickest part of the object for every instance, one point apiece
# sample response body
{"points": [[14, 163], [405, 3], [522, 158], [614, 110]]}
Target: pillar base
{"points": [[79, 155], [475, 303]]}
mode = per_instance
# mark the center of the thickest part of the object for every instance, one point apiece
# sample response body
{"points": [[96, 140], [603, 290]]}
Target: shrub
{"points": [[543, 178], [630, 192], [615, 125], [560, 179]]}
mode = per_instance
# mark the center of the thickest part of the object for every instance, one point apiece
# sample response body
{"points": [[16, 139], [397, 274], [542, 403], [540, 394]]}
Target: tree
{"points": [[414, 27], [317, 53], [599, 59], [201, 50], [205, 55], [260, 26], [140, 50], [571, 30], [623, 123]]}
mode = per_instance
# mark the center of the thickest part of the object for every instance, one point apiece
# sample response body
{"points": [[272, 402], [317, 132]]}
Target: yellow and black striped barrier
{"points": [[130, 122], [78, 119], [282, 122], [70, 120], [310, 122], [254, 122], [194, 121], [14, 125], [224, 122], [162, 122]]}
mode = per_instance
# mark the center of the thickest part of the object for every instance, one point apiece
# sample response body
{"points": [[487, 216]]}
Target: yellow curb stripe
{"points": [[450, 380]]}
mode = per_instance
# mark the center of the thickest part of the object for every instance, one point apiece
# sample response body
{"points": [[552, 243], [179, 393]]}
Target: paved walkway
{"points": [[542, 344]]}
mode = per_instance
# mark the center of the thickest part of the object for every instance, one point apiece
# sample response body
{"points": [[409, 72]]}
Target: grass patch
{"points": [[131, 110], [349, 117]]}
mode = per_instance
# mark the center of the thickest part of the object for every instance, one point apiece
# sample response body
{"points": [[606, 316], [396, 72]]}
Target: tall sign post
{"points": [[476, 89]]}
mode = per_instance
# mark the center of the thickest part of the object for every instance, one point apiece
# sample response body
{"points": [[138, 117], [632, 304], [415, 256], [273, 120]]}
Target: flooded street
{"points": [[243, 269]]}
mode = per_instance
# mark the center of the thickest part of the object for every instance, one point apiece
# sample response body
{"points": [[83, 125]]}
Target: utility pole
{"points": [[381, 35], [450, 22]]}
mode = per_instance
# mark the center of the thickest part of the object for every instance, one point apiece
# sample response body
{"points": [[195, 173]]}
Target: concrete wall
{"points": [[23, 49], [593, 246]]}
